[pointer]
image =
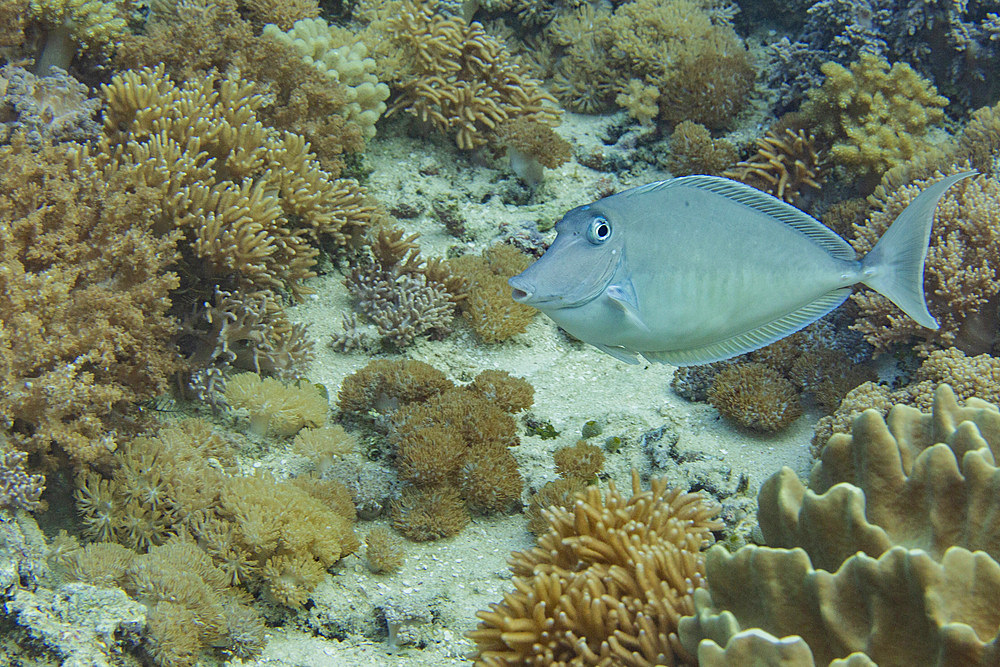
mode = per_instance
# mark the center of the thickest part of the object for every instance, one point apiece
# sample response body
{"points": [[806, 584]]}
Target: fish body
{"points": [[701, 268]]}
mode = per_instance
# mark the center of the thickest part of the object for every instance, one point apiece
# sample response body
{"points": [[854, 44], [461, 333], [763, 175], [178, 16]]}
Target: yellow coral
{"points": [[277, 408], [877, 116]]}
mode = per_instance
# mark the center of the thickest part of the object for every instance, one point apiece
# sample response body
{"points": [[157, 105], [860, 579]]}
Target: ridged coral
{"points": [[459, 79], [84, 292], [890, 550], [606, 583]]}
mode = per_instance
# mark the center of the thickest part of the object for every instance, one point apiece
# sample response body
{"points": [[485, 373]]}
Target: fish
{"points": [[698, 269]]}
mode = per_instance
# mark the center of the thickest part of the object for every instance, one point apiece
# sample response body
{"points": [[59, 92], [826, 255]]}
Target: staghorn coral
{"points": [[784, 165], [84, 292], [606, 583], [489, 308], [276, 408], [458, 78], [93, 26], [51, 108], [876, 115], [692, 150], [18, 489], [960, 280], [252, 205], [890, 551]]}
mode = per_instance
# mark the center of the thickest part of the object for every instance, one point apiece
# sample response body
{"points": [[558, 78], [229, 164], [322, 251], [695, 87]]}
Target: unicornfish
{"points": [[700, 268]]}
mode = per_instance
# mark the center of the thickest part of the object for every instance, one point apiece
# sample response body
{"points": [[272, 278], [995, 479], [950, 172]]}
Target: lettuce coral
{"points": [[889, 554]]}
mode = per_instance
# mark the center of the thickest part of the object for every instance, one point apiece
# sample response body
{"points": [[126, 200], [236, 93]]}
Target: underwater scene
{"points": [[499, 332]]}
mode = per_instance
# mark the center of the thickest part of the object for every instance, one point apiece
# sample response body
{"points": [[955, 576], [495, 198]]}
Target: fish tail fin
{"points": [[895, 266]]}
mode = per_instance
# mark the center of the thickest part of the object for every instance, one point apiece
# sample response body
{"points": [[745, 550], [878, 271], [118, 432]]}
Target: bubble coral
{"points": [[607, 582]]}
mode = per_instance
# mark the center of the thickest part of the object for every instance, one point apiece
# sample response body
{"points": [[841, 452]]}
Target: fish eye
{"points": [[599, 230]]}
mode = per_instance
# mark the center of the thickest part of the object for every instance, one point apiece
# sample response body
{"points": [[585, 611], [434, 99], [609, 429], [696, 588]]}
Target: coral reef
{"points": [[784, 165], [876, 116], [344, 63], [70, 26], [692, 150], [606, 583], [276, 408], [252, 205], [459, 79], [700, 68], [890, 551], [959, 273], [403, 296], [263, 534], [18, 489], [50, 109], [489, 308], [84, 292]]}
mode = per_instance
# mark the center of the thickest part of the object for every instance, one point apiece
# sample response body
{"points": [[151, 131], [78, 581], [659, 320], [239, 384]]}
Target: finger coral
{"points": [[84, 292], [875, 114], [252, 205], [889, 551], [606, 583], [785, 165], [459, 79]]}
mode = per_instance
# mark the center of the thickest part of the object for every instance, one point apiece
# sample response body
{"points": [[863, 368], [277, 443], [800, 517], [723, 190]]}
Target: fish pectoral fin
{"points": [[619, 353], [624, 298]]}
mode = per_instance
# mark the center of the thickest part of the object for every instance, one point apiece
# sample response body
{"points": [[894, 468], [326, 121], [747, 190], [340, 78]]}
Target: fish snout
{"points": [[523, 290]]}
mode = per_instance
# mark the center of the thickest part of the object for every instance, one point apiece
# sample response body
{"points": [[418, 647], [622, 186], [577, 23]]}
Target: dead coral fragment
{"points": [[277, 408], [755, 396], [606, 584]]}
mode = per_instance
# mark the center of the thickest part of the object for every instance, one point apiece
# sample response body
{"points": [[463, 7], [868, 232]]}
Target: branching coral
{"points": [[784, 165], [459, 79], [252, 205], [877, 116], [84, 293], [404, 296], [890, 552], [960, 279], [606, 583], [18, 489]]}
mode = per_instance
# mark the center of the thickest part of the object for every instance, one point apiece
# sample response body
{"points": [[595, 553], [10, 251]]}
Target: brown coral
{"points": [[692, 150], [276, 408], [84, 292], [960, 279], [785, 165], [460, 79], [489, 308], [755, 396], [383, 550], [606, 584], [875, 557]]}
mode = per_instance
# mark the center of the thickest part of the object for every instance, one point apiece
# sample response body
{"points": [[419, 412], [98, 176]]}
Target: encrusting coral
{"points": [[459, 79], [84, 292], [606, 584], [889, 554]]}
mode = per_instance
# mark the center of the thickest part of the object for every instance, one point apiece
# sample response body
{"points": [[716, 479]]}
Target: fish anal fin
{"points": [[619, 353], [755, 338]]}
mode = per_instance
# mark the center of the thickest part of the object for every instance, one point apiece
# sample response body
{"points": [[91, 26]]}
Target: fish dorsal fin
{"points": [[773, 207], [755, 338]]}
